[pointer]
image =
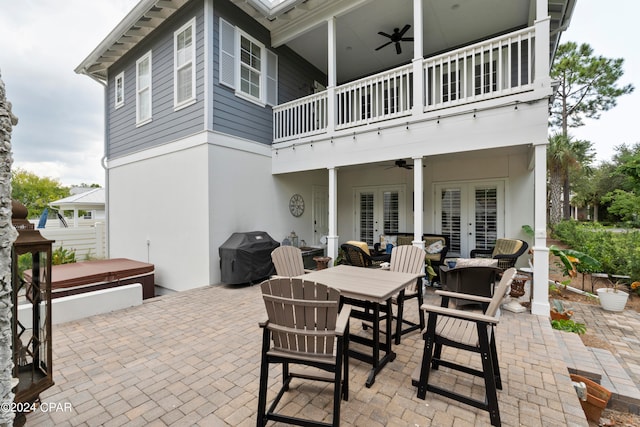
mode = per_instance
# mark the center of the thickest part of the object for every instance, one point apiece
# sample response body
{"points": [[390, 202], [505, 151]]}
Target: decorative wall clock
{"points": [[296, 205]]}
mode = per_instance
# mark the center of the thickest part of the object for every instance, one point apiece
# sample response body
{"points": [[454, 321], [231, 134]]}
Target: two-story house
{"points": [[379, 116]]}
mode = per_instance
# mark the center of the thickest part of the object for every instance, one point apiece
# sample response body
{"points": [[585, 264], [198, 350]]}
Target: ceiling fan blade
{"points": [[407, 39], [405, 29], [386, 44], [398, 48], [384, 34]]}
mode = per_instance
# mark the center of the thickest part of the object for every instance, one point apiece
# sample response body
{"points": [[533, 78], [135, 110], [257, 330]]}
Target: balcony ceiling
{"points": [[301, 25]]}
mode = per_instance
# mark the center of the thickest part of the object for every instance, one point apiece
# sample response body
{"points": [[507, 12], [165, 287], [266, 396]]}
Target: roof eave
{"points": [[94, 67]]}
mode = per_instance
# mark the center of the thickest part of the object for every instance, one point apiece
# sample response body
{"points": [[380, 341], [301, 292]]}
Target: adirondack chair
{"points": [[469, 331], [408, 259], [306, 327], [288, 261]]}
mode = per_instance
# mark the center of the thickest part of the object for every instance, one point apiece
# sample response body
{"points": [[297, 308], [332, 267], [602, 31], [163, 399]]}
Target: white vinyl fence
{"points": [[88, 242]]}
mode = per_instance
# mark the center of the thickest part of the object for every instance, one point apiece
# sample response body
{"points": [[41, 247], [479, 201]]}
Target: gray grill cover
{"points": [[246, 257]]}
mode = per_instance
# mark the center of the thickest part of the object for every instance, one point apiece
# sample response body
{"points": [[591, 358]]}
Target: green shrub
{"points": [[61, 255], [617, 251], [569, 325]]}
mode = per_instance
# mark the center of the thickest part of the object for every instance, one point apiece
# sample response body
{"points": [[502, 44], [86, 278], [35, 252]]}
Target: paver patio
{"points": [[192, 358]]}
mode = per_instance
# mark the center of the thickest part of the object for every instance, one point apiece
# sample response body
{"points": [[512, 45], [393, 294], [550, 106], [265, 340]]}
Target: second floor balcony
{"points": [[477, 74]]}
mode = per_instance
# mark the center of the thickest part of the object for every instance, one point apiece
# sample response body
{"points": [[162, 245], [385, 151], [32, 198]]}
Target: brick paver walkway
{"points": [[192, 358]]}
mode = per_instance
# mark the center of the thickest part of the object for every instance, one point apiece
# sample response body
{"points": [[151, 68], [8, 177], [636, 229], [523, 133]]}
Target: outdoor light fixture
{"points": [[31, 322]]}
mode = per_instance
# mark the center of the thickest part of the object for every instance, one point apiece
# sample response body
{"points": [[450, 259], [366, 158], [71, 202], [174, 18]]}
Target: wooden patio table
{"points": [[371, 290]]}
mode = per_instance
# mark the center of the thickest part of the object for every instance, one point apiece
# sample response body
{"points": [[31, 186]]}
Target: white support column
{"points": [[542, 26], [540, 300], [418, 83], [418, 214], [332, 238], [331, 74]]}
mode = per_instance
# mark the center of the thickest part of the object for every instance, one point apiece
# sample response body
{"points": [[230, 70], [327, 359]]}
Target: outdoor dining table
{"points": [[367, 288]]}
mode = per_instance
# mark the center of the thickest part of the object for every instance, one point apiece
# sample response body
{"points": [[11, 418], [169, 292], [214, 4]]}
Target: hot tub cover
{"points": [[104, 270]]}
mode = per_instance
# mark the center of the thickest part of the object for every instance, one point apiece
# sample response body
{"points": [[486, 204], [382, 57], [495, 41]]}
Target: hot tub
{"points": [[87, 276]]}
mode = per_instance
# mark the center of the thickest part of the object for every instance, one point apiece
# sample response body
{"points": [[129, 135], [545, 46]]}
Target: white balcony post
{"points": [[541, 54], [540, 301], [332, 238], [417, 202], [418, 83], [331, 74]]}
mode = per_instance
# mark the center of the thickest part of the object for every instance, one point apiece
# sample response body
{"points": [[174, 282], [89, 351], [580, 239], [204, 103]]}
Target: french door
{"points": [[471, 214], [379, 210]]}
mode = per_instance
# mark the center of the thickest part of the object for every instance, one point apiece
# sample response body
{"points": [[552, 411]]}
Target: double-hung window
{"points": [[143, 89], [184, 71], [118, 87], [247, 66], [250, 67]]}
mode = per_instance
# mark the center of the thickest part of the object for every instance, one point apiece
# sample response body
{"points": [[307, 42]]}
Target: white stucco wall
{"points": [[158, 213]]}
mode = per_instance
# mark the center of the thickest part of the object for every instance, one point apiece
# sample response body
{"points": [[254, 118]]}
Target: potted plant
{"points": [[612, 298]]}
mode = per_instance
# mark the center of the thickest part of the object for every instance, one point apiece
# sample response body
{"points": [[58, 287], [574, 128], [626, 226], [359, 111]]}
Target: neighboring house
{"points": [[223, 110], [92, 202]]}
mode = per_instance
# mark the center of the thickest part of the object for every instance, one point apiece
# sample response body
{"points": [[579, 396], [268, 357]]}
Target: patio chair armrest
{"points": [[459, 295], [343, 320], [263, 323], [459, 314], [306, 270], [505, 256], [475, 252]]}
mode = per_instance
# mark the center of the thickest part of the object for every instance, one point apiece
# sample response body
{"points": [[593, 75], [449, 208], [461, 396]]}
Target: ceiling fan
{"points": [[401, 164], [396, 37]]}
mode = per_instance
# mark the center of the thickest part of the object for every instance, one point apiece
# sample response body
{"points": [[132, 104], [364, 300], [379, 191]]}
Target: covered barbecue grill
{"points": [[246, 257]]}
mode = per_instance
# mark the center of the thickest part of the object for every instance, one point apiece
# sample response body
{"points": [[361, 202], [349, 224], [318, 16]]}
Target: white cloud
{"points": [[61, 130]]}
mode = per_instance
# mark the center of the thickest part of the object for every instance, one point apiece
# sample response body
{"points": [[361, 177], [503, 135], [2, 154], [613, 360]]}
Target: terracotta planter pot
{"points": [[611, 300], [559, 316], [597, 398]]}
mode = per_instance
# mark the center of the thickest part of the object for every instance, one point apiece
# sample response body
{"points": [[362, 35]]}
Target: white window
{"points": [[247, 66], [119, 90], [184, 70], [250, 67], [143, 89]]}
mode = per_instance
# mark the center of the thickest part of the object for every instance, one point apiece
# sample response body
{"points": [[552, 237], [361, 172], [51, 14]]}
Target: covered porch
{"points": [[464, 103]]}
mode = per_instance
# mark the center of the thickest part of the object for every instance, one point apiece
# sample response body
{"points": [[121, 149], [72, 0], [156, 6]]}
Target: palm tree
{"points": [[564, 154]]}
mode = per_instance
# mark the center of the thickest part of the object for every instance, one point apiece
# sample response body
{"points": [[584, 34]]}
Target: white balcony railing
{"points": [[497, 67], [379, 97], [302, 117], [493, 68]]}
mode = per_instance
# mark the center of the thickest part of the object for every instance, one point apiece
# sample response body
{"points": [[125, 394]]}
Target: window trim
{"points": [[116, 92], [191, 99], [140, 122], [239, 64], [230, 65]]}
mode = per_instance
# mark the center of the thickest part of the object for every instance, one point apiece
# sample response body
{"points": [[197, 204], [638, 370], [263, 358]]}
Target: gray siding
{"points": [[231, 115], [167, 125], [236, 116]]}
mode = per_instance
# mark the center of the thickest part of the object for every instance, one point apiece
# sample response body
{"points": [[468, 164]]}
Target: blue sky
{"points": [[60, 133]]}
